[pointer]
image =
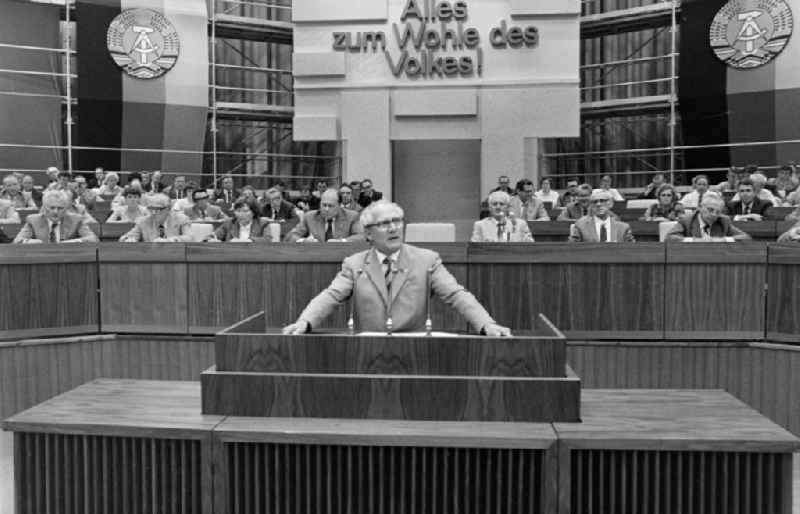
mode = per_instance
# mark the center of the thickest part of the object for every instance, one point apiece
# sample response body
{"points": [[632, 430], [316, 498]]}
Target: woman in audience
{"points": [[187, 202], [667, 208], [110, 185], [546, 194], [786, 181], [76, 208], [133, 208], [245, 227]]}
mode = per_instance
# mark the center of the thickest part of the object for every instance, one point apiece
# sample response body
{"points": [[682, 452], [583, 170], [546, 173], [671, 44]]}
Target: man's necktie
{"points": [[603, 233], [328, 229], [707, 230], [388, 275], [524, 212], [747, 209], [54, 233], [203, 214], [584, 211], [161, 233]]}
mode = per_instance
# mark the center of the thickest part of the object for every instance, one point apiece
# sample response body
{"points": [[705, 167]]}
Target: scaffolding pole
{"points": [[672, 95], [68, 72]]}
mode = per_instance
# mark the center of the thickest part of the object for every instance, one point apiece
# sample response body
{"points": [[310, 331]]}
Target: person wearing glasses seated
{"points": [[390, 282], [201, 210], [55, 224], [667, 209], [245, 227], [161, 225], [707, 224], [132, 210], [600, 226], [331, 223], [499, 226]]}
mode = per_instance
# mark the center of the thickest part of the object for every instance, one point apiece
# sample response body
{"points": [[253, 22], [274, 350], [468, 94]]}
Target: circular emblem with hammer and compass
{"points": [[143, 43], [750, 33]]}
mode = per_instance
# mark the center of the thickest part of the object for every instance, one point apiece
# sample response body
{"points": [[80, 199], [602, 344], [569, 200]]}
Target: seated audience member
{"points": [[600, 226], [759, 181], [132, 210], [276, 208], [694, 198], [786, 181], [794, 215], [52, 175], [187, 200], [178, 190], [707, 223], [110, 185], [580, 207], [161, 225], [201, 210], [306, 201], [12, 193], [569, 196], [355, 185], [226, 194], [63, 178], [55, 224], [322, 186], [244, 226], [368, 194], [329, 223], [154, 185], [346, 198], [651, 190], [8, 214], [605, 185], [281, 186], [525, 205], [96, 180], [747, 207], [249, 193], [29, 189], [546, 193], [790, 236], [3, 237], [76, 208], [501, 225], [667, 209], [83, 195], [732, 182], [504, 185]]}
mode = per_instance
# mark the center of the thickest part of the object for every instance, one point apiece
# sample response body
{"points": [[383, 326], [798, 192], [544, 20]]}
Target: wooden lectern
{"points": [[409, 376]]}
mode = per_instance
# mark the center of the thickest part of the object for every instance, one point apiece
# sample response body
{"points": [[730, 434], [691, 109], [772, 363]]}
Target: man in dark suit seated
{"points": [[276, 208], [329, 223], [201, 210], [389, 283], [177, 190], [748, 207], [368, 194], [600, 226], [162, 225], [55, 224], [708, 223], [226, 194], [580, 207]]}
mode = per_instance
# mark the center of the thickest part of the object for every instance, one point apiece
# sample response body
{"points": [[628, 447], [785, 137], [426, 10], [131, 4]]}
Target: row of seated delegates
{"points": [[20, 198], [330, 223], [502, 225], [55, 224], [667, 207]]}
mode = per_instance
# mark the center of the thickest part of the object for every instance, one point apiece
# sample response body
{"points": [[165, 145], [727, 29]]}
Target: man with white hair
{"points": [[162, 225], [330, 223], [708, 223], [12, 193], [600, 226], [390, 283], [499, 226], [54, 224]]}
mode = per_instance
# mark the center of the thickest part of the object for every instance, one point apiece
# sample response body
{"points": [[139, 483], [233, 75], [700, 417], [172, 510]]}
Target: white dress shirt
{"points": [[599, 223]]}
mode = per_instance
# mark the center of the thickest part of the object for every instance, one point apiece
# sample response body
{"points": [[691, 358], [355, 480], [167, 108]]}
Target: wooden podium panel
{"points": [[372, 396], [715, 290], [594, 291], [48, 290], [783, 293]]}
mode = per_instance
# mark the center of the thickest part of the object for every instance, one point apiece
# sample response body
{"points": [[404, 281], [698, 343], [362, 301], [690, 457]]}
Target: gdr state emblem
{"points": [[749, 33], [143, 43]]}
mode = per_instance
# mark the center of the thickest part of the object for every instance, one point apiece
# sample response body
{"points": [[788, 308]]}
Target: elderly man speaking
{"points": [[390, 281]]}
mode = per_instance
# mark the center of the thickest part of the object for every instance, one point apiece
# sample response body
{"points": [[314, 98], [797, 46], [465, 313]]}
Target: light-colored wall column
{"points": [[367, 147]]}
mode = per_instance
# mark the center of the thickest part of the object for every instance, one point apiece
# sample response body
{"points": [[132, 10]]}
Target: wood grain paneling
{"points": [[48, 291], [783, 293], [594, 291], [715, 290], [143, 288], [416, 397], [33, 371], [471, 356]]}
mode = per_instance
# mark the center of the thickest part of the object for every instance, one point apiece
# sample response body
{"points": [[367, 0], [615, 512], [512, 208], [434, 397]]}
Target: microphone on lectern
{"points": [[351, 325], [428, 321]]}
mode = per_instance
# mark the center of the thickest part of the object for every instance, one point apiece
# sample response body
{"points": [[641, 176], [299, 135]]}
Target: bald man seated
{"points": [[330, 223]]}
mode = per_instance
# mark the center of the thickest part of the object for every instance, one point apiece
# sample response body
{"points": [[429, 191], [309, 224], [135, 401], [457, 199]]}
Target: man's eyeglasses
{"points": [[599, 201], [157, 208], [385, 225]]}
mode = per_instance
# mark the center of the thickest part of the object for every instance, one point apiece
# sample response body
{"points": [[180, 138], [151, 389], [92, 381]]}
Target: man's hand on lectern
{"points": [[298, 327], [494, 330]]}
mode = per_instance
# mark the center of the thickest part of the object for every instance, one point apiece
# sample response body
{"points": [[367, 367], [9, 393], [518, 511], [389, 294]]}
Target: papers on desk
{"points": [[409, 334], [712, 240]]}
